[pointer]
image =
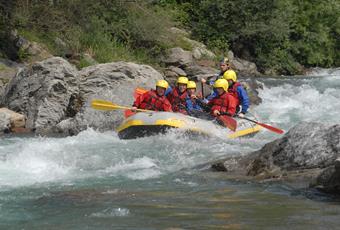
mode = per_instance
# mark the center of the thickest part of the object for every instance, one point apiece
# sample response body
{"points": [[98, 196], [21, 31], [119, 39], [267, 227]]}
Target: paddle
{"points": [[271, 128], [107, 105], [228, 121]]}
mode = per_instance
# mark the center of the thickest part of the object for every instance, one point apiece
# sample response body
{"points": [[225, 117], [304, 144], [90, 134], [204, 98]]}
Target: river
{"points": [[96, 181]]}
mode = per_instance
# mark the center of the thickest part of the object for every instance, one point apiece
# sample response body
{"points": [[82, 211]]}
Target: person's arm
{"points": [[212, 95], [189, 104], [244, 99], [231, 105], [167, 106], [168, 90], [197, 106]]}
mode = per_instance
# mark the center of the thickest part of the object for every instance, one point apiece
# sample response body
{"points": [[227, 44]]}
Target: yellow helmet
{"points": [[221, 83], [230, 75], [162, 84], [182, 80], [191, 85]]}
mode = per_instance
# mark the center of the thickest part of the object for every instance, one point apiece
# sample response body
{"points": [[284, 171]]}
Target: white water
{"points": [[91, 154], [96, 181]]}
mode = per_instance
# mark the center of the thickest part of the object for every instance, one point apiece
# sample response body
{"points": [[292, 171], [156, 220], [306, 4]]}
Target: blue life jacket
{"points": [[191, 105]]}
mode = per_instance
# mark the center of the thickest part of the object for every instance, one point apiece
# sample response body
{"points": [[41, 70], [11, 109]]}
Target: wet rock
{"points": [[305, 146], [305, 150], [113, 82], [329, 179], [42, 92], [56, 97]]}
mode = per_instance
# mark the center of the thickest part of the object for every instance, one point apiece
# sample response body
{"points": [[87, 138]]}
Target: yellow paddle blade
{"points": [[105, 105]]}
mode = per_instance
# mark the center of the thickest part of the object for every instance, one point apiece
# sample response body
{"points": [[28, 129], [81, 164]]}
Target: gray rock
{"points": [[305, 151], [177, 71], [5, 122], [55, 97], [180, 32], [305, 146], [2, 87], [113, 82], [172, 73], [42, 92], [199, 72], [178, 57], [329, 179], [244, 68]]}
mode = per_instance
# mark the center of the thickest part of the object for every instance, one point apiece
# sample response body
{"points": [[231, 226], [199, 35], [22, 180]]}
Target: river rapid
{"points": [[96, 181]]}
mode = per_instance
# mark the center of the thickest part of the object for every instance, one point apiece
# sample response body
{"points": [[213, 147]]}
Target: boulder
{"points": [[198, 72], [307, 149], [5, 122], [198, 49], [8, 70], [178, 57], [11, 120], [42, 92], [113, 82], [329, 179], [243, 67], [307, 145], [172, 73], [28, 51]]}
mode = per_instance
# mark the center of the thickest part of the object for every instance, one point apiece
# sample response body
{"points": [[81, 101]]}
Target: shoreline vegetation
{"points": [[281, 37]]}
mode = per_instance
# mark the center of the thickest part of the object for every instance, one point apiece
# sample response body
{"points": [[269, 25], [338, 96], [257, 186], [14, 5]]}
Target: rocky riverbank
{"points": [[309, 155], [53, 95]]}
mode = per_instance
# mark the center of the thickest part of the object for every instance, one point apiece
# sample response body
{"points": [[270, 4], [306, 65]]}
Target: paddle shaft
{"points": [[271, 128], [106, 105], [130, 108]]}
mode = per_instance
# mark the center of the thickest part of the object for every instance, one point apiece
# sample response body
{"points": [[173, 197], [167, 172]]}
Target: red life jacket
{"points": [[224, 103], [178, 101], [233, 91], [150, 100]]}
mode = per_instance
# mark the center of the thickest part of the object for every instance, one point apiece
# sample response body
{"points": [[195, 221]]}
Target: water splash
{"points": [[91, 154]]}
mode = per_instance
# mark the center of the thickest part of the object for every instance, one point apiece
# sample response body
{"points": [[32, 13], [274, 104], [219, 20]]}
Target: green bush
{"points": [[274, 34], [107, 30]]}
